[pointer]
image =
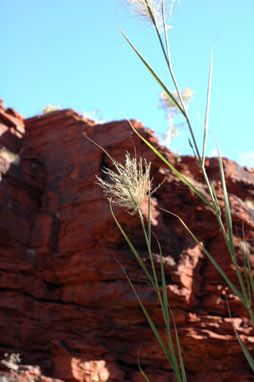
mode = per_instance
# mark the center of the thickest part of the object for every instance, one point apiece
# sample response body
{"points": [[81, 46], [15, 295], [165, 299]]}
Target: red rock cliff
{"points": [[66, 306]]}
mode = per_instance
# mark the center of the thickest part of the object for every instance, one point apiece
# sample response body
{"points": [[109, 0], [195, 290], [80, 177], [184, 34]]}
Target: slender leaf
{"points": [[230, 241], [102, 148], [151, 323], [246, 273], [250, 271], [165, 308], [165, 53], [147, 273], [168, 59], [226, 201], [143, 373], [245, 351], [207, 110], [160, 82], [183, 373], [141, 370], [156, 284], [194, 152], [149, 215], [180, 176], [210, 257]]}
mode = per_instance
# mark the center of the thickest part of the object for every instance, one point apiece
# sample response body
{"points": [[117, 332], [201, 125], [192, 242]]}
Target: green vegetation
{"points": [[131, 186]]}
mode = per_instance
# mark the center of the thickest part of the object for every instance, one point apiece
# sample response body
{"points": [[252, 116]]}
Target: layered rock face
{"points": [[66, 306]]}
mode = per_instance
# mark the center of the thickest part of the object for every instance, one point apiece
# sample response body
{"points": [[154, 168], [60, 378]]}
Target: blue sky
{"points": [[71, 53]]}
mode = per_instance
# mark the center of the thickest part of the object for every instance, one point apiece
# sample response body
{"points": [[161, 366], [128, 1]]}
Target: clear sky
{"points": [[71, 53]]}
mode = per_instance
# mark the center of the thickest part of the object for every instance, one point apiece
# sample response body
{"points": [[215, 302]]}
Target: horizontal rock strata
{"points": [[66, 305]]}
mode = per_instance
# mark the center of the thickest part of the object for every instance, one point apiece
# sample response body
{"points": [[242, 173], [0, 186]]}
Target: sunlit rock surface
{"points": [[66, 305]]}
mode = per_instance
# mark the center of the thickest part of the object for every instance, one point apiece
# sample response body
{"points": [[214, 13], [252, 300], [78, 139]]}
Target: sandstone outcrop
{"points": [[66, 305]]}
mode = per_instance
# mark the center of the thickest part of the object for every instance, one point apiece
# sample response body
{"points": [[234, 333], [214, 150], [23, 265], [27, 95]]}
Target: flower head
{"points": [[140, 8], [129, 184]]}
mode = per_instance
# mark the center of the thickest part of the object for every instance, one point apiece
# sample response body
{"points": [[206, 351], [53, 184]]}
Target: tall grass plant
{"points": [[130, 187]]}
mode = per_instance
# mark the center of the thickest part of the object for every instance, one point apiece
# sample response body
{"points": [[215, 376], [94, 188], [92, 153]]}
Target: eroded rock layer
{"points": [[66, 305]]}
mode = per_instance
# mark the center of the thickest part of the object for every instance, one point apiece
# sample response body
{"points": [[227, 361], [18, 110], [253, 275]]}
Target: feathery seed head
{"points": [[140, 8], [129, 183]]}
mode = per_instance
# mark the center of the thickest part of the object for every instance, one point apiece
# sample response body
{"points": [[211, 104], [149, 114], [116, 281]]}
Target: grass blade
{"points": [[165, 308], [166, 90], [229, 225], [180, 176], [207, 110], [226, 201], [210, 257], [141, 263], [143, 373], [160, 82], [245, 351], [156, 284], [183, 374], [141, 370], [165, 53], [151, 323], [149, 215]]}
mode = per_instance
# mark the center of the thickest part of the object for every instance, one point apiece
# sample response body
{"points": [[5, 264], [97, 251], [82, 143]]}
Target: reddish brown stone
{"points": [[66, 305]]}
